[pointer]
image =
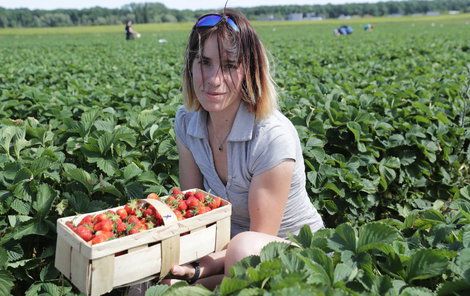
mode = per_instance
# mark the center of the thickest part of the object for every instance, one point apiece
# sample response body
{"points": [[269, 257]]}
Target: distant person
{"points": [[130, 32], [343, 30], [368, 27]]}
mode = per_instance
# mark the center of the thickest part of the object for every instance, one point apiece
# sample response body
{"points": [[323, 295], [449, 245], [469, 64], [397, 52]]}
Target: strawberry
{"points": [[215, 202], [85, 233], [192, 202], [122, 213], [200, 196], [178, 215], [153, 196], [100, 217], [106, 225], [182, 205], [88, 219], [176, 191], [188, 194]]}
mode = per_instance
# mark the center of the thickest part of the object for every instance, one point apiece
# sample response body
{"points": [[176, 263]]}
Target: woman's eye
{"points": [[230, 66], [204, 62]]}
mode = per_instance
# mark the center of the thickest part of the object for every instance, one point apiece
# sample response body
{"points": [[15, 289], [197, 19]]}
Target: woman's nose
{"points": [[215, 76]]}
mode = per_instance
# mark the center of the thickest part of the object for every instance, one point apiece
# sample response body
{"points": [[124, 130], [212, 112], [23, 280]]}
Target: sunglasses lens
{"points": [[209, 21], [232, 24], [213, 19]]}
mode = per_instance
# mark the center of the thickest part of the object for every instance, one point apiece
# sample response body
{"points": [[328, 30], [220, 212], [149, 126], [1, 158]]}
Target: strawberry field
{"points": [[383, 116]]}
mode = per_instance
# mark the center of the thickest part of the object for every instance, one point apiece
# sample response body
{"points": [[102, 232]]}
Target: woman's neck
{"points": [[221, 122]]}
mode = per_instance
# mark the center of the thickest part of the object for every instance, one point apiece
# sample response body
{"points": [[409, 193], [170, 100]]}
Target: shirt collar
{"points": [[242, 129]]}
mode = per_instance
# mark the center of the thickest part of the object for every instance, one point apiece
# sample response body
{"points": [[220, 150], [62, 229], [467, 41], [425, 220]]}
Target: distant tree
{"points": [[157, 12]]}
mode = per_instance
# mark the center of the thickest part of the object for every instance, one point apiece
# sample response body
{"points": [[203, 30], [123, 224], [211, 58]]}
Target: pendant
{"points": [[221, 148]]}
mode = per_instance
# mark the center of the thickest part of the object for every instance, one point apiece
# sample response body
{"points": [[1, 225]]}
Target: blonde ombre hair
{"points": [[258, 88]]}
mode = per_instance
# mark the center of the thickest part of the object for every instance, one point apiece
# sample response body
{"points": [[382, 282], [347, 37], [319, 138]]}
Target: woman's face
{"points": [[214, 88]]}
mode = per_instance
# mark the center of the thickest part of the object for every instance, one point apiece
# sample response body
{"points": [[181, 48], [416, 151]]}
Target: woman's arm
{"points": [[267, 198], [189, 174]]}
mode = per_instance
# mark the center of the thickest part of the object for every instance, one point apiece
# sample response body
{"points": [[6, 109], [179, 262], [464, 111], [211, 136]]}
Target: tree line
{"points": [[157, 12]]}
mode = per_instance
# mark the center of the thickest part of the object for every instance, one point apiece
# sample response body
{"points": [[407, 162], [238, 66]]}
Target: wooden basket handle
{"points": [[167, 214], [171, 245]]}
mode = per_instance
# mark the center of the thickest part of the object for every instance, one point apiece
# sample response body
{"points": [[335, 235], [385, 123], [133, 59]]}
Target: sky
{"points": [[176, 4]]}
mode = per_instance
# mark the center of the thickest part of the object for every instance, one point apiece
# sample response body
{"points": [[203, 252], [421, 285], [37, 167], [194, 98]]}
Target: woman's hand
{"points": [[179, 272]]}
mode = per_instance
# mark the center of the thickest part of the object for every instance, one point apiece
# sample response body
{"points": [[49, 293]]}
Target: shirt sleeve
{"points": [[181, 119], [274, 146]]}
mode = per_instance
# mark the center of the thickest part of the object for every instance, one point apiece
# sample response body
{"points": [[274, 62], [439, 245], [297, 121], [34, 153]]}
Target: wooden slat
{"points": [[170, 254], [205, 219], [132, 241], [63, 256], [197, 244], [223, 234], [102, 275], [80, 271], [132, 267]]}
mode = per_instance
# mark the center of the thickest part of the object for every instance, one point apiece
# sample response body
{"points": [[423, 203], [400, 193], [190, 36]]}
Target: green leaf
{"points": [[319, 265], [7, 281], [335, 189], [104, 186], [345, 272], [426, 263], [416, 291], [20, 206], [232, 285], [3, 258], [377, 235], [158, 290], [273, 250], [131, 171], [87, 121], [36, 227], [24, 174], [105, 142], [108, 166], [465, 192], [239, 268], [134, 190], [81, 176], [343, 239], [44, 199], [165, 146], [456, 287]]}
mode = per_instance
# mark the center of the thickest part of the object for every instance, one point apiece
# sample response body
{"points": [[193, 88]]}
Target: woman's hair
{"points": [[258, 89]]}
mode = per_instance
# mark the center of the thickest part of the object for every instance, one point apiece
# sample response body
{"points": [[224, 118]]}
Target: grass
{"points": [[172, 27]]}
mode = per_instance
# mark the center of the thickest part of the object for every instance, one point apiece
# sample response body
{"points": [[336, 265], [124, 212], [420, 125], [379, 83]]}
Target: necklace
{"points": [[221, 143]]}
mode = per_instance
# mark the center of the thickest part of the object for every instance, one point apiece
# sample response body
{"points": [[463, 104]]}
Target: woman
{"points": [[233, 142], [130, 32]]}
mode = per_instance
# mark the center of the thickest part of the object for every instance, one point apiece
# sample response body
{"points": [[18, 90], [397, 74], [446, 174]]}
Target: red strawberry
{"points": [[215, 202], [200, 196], [122, 213], [182, 205], [192, 202], [176, 191], [85, 233]]}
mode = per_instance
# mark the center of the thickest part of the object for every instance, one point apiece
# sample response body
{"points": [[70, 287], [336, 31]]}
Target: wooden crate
{"points": [[97, 269]]}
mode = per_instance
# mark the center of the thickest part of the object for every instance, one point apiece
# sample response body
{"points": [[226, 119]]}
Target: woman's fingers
{"points": [[182, 271]]}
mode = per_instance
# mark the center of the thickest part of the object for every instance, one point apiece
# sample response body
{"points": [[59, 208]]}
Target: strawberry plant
{"points": [[86, 124]]}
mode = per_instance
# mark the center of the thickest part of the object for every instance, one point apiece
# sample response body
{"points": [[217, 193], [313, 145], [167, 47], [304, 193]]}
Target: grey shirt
{"points": [[253, 147]]}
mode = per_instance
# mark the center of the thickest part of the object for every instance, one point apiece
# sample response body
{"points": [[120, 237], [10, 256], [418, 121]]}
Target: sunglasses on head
{"points": [[211, 20]]}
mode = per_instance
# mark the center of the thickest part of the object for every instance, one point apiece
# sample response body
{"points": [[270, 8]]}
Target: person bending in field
{"points": [[234, 142], [130, 32]]}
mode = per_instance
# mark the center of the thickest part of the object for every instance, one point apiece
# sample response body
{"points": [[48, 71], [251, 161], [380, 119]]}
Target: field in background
{"points": [[383, 117]]}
